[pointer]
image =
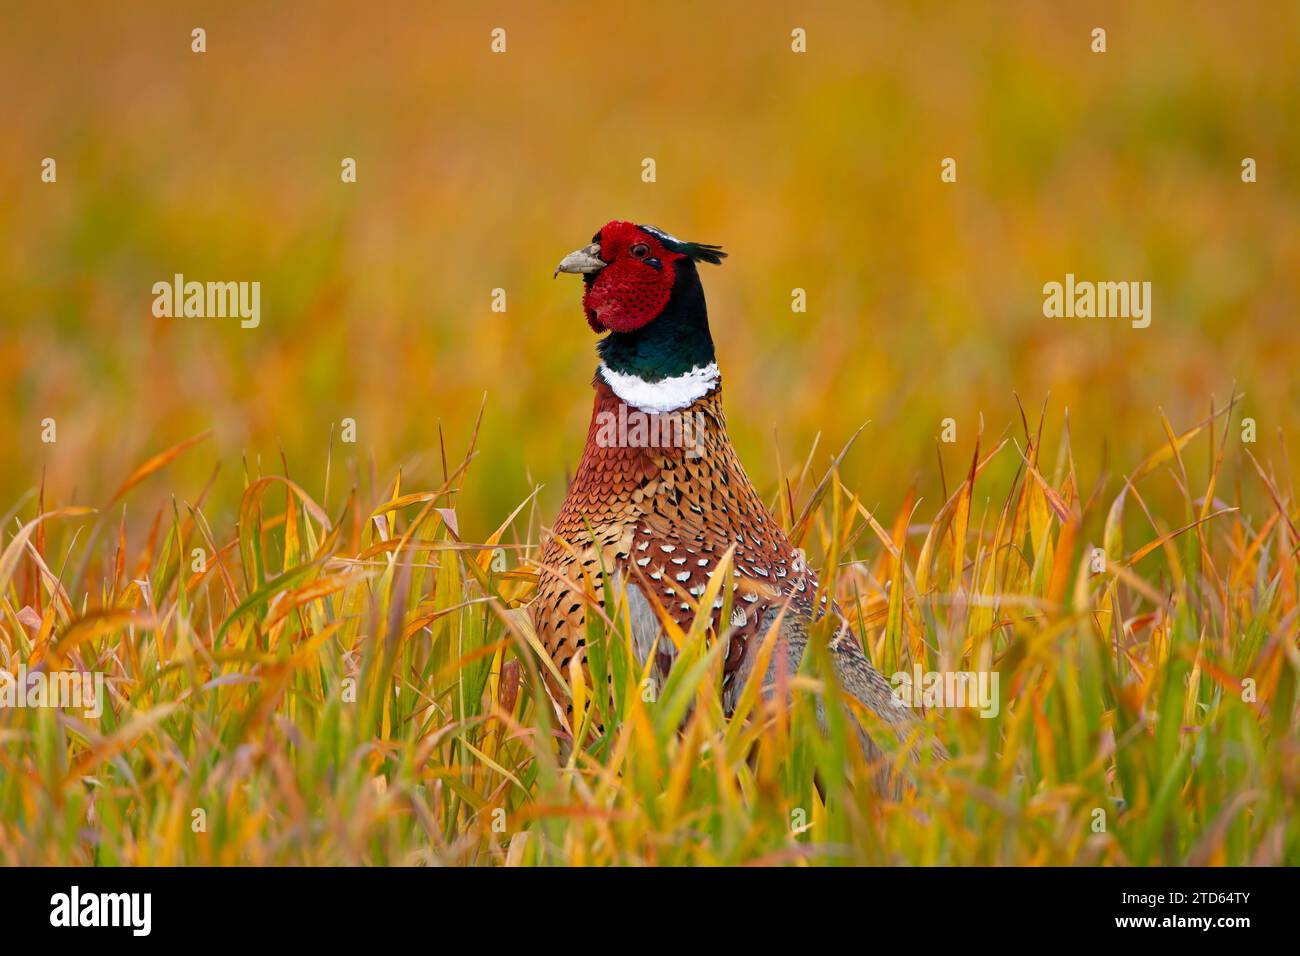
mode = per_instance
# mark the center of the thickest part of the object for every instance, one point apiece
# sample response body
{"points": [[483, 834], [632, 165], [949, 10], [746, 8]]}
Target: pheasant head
{"points": [[642, 287]]}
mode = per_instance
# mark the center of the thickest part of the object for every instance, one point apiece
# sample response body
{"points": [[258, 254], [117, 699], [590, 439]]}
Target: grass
{"points": [[354, 682]]}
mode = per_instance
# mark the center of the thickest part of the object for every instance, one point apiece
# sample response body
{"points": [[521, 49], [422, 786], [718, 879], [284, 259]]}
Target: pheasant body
{"points": [[661, 518], [660, 515]]}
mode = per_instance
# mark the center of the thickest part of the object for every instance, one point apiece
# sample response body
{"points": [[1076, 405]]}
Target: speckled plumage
{"points": [[665, 516]]}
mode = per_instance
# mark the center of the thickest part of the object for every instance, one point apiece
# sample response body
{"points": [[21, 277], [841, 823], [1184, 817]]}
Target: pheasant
{"points": [[659, 515]]}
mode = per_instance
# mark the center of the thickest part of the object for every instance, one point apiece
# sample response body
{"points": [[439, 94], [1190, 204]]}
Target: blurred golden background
{"points": [[479, 170]]}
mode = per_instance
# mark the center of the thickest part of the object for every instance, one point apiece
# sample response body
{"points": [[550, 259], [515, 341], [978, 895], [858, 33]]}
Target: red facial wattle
{"points": [[632, 290]]}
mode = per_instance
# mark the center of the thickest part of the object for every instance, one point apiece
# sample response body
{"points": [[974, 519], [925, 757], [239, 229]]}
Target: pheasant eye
{"points": [[640, 250]]}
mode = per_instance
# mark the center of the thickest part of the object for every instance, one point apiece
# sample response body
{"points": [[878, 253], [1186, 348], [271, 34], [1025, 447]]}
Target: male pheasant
{"points": [[658, 515]]}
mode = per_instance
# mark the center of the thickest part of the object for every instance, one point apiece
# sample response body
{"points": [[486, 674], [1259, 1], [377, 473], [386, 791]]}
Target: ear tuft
{"points": [[698, 251]]}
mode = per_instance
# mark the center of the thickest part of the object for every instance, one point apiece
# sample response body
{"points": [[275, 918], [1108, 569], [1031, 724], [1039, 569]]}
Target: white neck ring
{"points": [[665, 395]]}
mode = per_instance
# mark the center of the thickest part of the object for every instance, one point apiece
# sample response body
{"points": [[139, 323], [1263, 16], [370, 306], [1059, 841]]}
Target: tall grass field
{"points": [[345, 676]]}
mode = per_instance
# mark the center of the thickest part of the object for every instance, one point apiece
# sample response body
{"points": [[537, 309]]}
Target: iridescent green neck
{"points": [[671, 344]]}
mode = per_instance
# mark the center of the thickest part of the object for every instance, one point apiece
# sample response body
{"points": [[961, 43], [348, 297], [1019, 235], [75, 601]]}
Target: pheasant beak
{"points": [[585, 260]]}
